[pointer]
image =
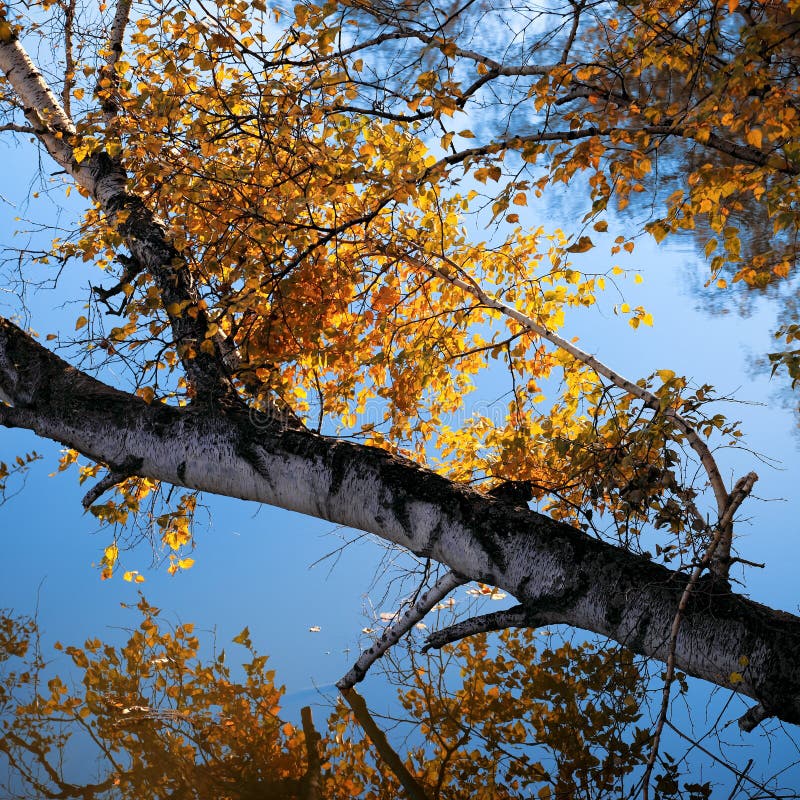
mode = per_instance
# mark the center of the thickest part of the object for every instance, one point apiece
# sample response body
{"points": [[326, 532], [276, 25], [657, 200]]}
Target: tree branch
{"points": [[143, 233], [650, 400], [548, 566], [516, 617], [108, 72], [114, 476], [723, 534], [394, 632], [312, 781]]}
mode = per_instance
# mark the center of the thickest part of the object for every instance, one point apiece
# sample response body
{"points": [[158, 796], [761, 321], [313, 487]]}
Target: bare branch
{"points": [[723, 534], [10, 126], [753, 718], [721, 562], [396, 630], [516, 617], [313, 777], [114, 476]]}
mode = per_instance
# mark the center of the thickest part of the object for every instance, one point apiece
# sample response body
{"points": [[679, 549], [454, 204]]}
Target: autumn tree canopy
{"points": [[286, 211]]}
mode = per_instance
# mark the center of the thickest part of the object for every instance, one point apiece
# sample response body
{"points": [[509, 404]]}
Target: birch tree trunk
{"points": [[558, 574]]}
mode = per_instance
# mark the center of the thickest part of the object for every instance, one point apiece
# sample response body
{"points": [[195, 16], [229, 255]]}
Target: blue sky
{"points": [[254, 564]]}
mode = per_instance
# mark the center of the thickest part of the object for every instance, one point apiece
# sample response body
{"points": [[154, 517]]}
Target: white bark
{"points": [[555, 571], [394, 632]]}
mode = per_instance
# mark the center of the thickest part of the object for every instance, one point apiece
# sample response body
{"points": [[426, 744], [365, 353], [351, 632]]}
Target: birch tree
{"points": [[278, 205]]}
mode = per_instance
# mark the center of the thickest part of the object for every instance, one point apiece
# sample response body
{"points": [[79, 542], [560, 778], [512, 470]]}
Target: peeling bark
{"points": [[556, 572]]}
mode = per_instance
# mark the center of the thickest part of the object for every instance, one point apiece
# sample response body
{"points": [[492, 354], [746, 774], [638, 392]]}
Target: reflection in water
{"points": [[520, 718]]}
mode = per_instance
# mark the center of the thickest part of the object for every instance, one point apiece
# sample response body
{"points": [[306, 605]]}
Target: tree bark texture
{"points": [[558, 574]]}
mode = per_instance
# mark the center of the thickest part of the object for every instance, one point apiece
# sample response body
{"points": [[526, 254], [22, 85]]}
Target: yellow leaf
{"points": [[111, 554], [736, 677], [80, 323], [754, 137], [601, 225], [146, 393], [666, 375], [583, 244], [6, 31], [185, 563], [521, 199]]}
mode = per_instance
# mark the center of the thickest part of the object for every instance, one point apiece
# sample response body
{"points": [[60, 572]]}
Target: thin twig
{"points": [[721, 762], [743, 488]]}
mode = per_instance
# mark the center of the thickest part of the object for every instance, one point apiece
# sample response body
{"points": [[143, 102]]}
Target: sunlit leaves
{"points": [[517, 719], [319, 230], [583, 244], [498, 721]]}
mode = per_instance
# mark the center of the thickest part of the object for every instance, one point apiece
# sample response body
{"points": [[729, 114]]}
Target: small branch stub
{"points": [[114, 476], [753, 718]]}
